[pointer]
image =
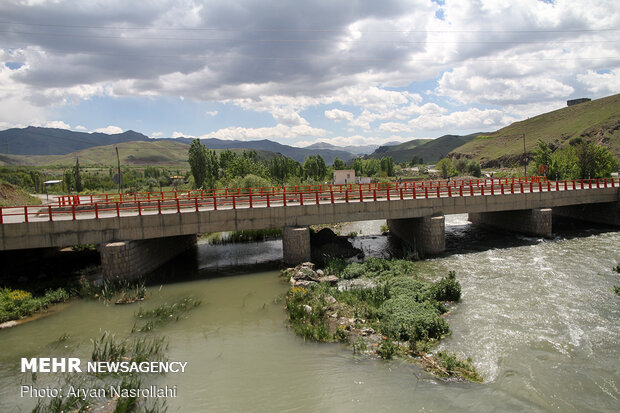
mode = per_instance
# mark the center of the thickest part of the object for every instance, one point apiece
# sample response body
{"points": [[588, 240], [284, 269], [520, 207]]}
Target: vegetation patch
{"points": [[17, 304], [165, 313], [250, 235], [11, 195], [379, 307]]}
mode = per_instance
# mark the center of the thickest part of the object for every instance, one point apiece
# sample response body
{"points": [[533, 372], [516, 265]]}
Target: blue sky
{"points": [[348, 73]]}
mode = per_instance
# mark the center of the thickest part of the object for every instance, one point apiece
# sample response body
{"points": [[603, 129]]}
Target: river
{"points": [[539, 318]]}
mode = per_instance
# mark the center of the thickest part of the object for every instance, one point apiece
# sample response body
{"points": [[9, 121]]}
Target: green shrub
{"points": [[16, 304], [447, 289], [406, 319]]}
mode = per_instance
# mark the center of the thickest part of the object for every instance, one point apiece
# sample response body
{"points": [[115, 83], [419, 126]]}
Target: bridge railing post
{"points": [[196, 202], [96, 212], [316, 196], [331, 195], [215, 202], [139, 209], [159, 206], [234, 202], [118, 211], [72, 211], [178, 205], [361, 195], [401, 193], [49, 212]]}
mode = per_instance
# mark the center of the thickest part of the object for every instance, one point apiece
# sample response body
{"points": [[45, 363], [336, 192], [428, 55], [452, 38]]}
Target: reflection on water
{"points": [[538, 317]]}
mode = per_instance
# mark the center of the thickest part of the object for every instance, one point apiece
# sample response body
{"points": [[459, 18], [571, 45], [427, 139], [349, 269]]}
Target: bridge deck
{"points": [[100, 222]]}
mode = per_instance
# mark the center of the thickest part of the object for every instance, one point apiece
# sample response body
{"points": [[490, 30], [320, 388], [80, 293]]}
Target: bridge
{"points": [[138, 232]]}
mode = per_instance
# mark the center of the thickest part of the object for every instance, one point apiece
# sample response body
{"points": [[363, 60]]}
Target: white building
{"points": [[344, 176]]}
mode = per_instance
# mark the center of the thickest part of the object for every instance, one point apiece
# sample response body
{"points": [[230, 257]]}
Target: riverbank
{"points": [[381, 307]]}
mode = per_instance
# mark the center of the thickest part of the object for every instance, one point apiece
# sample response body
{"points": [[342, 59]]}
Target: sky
{"points": [[348, 72]]}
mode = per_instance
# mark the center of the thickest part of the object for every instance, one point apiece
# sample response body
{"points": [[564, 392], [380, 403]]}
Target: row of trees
{"points": [[578, 160], [247, 169], [374, 167]]}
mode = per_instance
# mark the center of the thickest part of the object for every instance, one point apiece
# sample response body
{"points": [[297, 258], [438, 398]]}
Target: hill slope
{"points": [[430, 150], [153, 152], [597, 121]]}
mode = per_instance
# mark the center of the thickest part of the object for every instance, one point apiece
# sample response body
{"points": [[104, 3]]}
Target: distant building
{"points": [[344, 176], [577, 101]]}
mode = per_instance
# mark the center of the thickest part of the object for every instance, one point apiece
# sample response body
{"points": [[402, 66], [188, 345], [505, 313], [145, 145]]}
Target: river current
{"points": [[538, 317]]}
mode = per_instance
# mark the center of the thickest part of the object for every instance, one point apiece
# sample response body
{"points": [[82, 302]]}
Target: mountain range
{"points": [[596, 121]]}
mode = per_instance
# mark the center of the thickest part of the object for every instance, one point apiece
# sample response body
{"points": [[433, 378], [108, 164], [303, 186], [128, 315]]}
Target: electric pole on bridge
{"points": [[524, 157]]}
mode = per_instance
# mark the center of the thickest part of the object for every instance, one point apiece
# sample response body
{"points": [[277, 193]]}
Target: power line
{"points": [[294, 58], [315, 30], [256, 40]]}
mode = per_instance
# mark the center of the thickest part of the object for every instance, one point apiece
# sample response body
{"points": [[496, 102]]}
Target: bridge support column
{"points": [[425, 234], [296, 245], [133, 259], [607, 213], [536, 222]]}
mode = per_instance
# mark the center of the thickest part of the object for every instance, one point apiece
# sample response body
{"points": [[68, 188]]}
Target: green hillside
{"points": [[400, 153], [153, 153], [430, 150], [597, 121]]}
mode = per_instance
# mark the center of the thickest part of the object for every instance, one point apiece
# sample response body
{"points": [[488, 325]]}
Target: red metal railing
{"points": [[68, 200], [330, 194]]}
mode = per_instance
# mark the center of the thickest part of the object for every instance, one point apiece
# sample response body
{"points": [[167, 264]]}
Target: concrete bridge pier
{"points": [[535, 222], [425, 234], [296, 245], [134, 259]]}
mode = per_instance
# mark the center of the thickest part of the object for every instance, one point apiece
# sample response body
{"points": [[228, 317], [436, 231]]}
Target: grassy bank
{"points": [[17, 304], [380, 307]]}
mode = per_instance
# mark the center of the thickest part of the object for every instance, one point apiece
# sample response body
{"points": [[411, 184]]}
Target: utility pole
{"points": [[120, 176], [524, 156]]}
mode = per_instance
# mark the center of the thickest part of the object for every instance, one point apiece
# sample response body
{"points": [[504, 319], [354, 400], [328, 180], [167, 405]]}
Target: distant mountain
{"points": [[430, 150], [34, 141], [597, 121], [48, 141], [298, 154], [357, 150]]}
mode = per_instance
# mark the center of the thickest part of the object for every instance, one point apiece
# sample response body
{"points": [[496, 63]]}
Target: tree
{"points": [[542, 156], [212, 169], [339, 164], [78, 178], [198, 162], [445, 168], [594, 161], [311, 167], [321, 168]]}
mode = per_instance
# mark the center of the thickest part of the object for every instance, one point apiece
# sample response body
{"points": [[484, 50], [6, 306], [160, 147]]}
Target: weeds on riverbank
{"points": [[164, 314], [117, 290], [17, 304], [218, 238], [392, 311]]}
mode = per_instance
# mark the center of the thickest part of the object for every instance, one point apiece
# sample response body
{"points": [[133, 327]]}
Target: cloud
{"points": [[80, 128], [58, 124], [601, 83], [358, 64], [278, 132], [110, 130], [472, 119], [338, 115]]}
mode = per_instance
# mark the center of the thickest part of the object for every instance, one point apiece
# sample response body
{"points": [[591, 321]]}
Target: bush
{"points": [[16, 304], [447, 289], [406, 319]]}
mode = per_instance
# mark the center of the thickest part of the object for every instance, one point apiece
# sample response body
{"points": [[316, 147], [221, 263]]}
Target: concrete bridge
{"points": [[136, 235]]}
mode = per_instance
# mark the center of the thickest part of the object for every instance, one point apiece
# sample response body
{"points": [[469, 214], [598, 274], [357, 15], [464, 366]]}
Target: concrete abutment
{"points": [[134, 259], [425, 234], [535, 222], [296, 245]]}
